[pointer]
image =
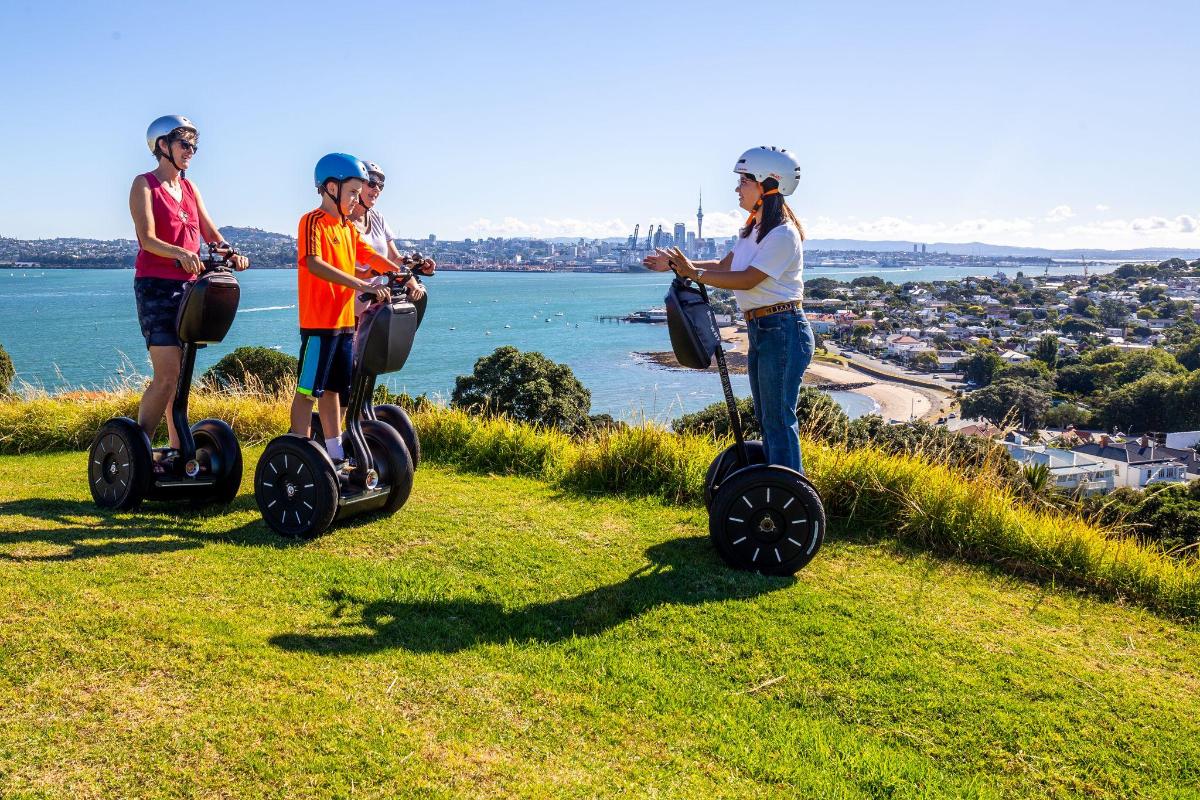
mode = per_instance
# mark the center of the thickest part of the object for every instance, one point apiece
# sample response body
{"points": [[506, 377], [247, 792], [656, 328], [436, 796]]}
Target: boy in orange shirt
{"points": [[328, 248]]}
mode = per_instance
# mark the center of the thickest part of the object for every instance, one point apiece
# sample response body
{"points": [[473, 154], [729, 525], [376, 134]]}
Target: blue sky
{"points": [[1047, 123]]}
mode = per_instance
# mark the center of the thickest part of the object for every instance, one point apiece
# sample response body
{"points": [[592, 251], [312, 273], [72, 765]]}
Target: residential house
{"points": [[1070, 472]]}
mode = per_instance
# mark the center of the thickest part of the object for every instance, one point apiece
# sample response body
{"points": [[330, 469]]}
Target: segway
{"points": [[390, 413], [761, 517], [299, 490], [207, 467]]}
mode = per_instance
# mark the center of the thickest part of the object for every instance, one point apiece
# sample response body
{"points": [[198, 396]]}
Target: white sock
{"points": [[334, 448]]}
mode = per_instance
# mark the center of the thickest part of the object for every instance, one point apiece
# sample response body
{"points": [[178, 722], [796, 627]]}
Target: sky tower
{"points": [[700, 218]]}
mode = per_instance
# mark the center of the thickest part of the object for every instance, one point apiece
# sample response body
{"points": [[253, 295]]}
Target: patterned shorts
{"points": [[157, 306], [325, 363]]}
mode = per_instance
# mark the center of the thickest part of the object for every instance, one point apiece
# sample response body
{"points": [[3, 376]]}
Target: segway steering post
{"points": [[735, 419], [216, 261]]}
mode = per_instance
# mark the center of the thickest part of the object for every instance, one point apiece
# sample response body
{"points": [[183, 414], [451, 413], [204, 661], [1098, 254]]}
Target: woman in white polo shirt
{"points": [[765, 270]]}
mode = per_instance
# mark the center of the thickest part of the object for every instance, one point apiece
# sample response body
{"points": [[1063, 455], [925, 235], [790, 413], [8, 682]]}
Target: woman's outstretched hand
{"points": [[680, 263], [658, 261]]}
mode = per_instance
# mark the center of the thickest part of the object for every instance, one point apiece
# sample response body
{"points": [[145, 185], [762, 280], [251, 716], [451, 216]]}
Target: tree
{"points": [[1080, 304], [860, 332], [1189, 354], [1076, 327], [1032, 373], [254, 368], [1156, 402], [7, 372], [868, 282], [979, 367], [820, 288], [1113, 312], [1065, 414], [1047, 350], [527, 387], [925, 361], [1003, 399]]}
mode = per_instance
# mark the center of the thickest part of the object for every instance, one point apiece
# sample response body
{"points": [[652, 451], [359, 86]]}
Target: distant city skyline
{"points": [[1026, 124]]}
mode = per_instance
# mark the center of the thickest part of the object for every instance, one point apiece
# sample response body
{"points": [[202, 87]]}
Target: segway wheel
{"points": [[398, 418], [391, 460], [218, 448], [295, 487], [120, 465], [726, 463], [767, 519]]}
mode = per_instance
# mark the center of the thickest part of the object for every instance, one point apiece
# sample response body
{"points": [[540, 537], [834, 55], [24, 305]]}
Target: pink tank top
{"points": [[176, 222]]}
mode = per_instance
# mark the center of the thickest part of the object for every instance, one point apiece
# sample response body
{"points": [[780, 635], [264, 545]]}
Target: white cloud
{"points": [[1182, 230], [1102, 207], [546, 228]]}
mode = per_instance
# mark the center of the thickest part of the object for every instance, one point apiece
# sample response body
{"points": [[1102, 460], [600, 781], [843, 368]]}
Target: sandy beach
{"points": [[895, 401]]}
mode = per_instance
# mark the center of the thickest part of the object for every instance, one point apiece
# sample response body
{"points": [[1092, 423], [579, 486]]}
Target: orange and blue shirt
{"points": [[327, 307]]}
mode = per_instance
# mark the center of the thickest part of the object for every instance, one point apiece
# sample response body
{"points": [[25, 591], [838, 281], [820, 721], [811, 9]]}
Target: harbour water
{"points": [[78, 328]]}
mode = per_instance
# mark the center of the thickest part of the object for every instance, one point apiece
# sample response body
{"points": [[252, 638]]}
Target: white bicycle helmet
{"points": [[163, 126], [374, 171], [770, 162]]}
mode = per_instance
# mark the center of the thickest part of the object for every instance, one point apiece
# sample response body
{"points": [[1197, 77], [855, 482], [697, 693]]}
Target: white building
{"points": [[1070, 472]]}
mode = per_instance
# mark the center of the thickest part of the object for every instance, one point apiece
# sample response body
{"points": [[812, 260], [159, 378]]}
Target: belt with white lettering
{"points": [[764, 311]]}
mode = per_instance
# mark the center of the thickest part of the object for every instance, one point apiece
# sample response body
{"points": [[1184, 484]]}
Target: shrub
{"points": [[819, 415], [527, 387], [6, 371], [254, 369]]}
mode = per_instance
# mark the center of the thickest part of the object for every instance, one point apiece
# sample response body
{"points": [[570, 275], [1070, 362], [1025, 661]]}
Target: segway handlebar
{"points": [[398, 278], [219, 254]]}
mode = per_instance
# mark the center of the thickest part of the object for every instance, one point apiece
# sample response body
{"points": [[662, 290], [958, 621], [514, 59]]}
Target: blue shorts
{"points": [[158, 302], [325, 363]]}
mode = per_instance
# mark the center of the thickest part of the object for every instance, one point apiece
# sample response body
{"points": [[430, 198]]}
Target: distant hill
{"points": [[984, 249]]}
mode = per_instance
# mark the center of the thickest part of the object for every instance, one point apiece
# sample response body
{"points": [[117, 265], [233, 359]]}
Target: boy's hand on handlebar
{"points": [[426, 267], [380, 293], [658, 261], [239, 262]]}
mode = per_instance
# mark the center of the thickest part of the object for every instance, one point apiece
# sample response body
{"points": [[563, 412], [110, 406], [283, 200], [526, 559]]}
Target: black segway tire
{"points": [[120, 465], [391, 460], [768, 519], [398, 418], [217, 446], [726, 463], [296, 487]]}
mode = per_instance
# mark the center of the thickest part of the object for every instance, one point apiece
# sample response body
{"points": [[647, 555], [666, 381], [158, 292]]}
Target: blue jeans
{"points": [[781, 347]]}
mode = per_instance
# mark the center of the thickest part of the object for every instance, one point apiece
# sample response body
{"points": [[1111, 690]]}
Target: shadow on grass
{"points": [[143, 532], [683, 571]]}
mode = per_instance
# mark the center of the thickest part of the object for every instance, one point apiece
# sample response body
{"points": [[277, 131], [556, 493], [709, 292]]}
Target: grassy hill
{"points": [[508, 636]]}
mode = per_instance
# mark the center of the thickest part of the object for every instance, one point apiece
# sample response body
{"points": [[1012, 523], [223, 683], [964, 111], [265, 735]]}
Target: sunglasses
{"points": [[188, 146], [745, 180], [376, 185]]}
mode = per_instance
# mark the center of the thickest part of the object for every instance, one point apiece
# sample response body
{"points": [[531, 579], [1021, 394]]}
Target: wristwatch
{"points": [[699, 275]]}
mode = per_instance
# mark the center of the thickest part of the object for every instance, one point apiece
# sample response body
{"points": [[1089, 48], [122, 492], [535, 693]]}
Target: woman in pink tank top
{"points": [[171, 222]]}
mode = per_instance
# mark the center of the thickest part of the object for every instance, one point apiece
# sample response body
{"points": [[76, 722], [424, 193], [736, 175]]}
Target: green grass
{"points": [[914, 498], [504, 637]]}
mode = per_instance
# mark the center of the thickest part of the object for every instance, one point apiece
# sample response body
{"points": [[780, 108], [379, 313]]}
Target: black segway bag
{"points": [[207, 309], [385, 336], [692, 325]]}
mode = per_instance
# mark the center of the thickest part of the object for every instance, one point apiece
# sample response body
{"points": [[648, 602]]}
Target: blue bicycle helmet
{"points": [[338, 167]]}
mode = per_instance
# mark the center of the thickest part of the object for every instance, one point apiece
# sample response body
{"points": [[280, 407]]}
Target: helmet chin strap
{"points": [[171, 158], [336, 198], [758, 206]]}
